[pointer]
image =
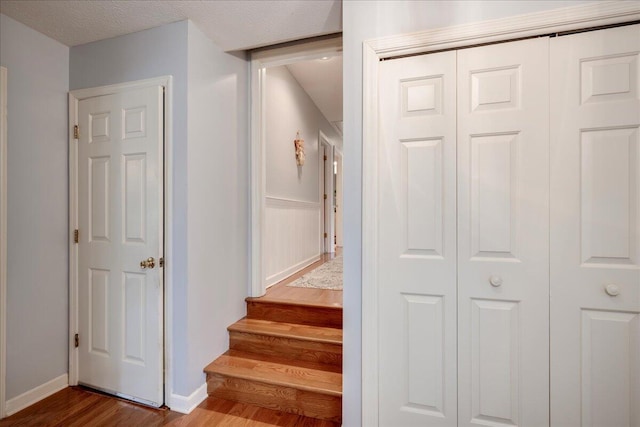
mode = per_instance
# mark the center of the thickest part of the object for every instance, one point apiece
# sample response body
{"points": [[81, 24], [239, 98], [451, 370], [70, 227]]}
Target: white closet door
{"points": [[595, 220], [417, 240], [503, 234]]}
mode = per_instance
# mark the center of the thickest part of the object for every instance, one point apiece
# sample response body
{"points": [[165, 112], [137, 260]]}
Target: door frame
{"points": [[325, 144], [74, 97], [3, 240], [459, 36], [338, 157], [260, 61]]}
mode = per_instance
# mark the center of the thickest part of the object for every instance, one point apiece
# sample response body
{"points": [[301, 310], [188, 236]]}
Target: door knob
{"points": [[612, 290], [495, 281], [148, 263]]}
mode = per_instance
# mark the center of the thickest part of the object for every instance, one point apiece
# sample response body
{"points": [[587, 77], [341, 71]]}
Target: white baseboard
{"points": [[275, 278], [186, 404], [36, 394]]}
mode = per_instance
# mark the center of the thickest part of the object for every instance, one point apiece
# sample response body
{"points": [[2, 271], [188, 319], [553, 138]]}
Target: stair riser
{"points": [[275, 397], [302, 315], [287, 348]]}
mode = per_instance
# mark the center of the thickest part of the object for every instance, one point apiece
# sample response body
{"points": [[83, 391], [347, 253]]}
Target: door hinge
{"points": [[325, 235], [161, 262], [76, 132], [76, 235], [325, 197], [325, 157], [76, 340]]}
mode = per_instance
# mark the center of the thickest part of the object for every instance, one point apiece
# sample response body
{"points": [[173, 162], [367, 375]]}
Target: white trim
{"points": [[370, 63], [260, 61], [168, 236], [3, 239], [257, 179], [285, 202], [74, 96], [557, 20], [275, 278], [73, 250], [36, 394], [534, 24], [299, 52], [186, 404], [326, 245]]}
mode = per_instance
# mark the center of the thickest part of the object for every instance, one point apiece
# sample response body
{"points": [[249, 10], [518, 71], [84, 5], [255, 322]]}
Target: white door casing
{"points": [[595, 228], [417, 241], [120, 218], [326, 193], [339, 200], [338, 210], [503, 229], [3, 237]]}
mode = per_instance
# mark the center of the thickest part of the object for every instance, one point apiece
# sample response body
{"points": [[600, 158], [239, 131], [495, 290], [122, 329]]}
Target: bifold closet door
{"points": [[417, 241], [595, 222], [503, 234]]}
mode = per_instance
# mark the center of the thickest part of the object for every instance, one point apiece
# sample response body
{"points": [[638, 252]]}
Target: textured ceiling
{"points": [[232, 25], [322, 80]]}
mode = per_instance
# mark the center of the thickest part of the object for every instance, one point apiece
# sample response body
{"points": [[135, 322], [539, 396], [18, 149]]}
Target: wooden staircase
{"points": [[286, 356]]}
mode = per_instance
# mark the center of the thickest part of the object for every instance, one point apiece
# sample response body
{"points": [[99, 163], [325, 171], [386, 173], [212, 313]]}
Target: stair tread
{"points": [[288, 330], [286, 375]]}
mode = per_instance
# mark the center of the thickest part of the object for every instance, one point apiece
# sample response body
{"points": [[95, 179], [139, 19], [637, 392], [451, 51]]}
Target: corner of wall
{"points": [[186, 404]]}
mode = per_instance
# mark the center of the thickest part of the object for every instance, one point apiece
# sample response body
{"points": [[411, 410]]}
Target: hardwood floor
{"points": [[75, 406], [286, 354], [311, 337], [281, 292]]}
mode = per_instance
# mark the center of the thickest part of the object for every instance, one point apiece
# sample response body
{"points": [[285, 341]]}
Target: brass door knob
{"points": [[148, 263]]}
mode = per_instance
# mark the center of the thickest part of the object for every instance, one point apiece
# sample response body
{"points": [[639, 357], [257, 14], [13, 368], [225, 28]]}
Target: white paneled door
{"points": [[417, 241], [503, 234], [120, 287], [595, 228]]}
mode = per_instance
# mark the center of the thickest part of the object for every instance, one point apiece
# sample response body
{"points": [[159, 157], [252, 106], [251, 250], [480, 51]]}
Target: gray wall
{"points": [[363, 20], [218, 192], [37, 221], [152, 53], [210, 178], [290, 109]]}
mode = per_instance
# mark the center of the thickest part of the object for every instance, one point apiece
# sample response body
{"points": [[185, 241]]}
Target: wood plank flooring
{"points": [[286, 354], [75, 406], [284, 293]]}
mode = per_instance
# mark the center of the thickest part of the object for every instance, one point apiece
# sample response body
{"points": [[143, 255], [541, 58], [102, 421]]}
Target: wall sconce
{"points": [[299, 145]]}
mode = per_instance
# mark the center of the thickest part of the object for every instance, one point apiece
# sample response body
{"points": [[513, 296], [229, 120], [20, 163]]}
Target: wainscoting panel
{"points": [[292, 237]]}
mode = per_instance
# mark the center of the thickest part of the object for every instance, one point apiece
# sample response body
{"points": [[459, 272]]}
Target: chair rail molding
{"points": [[574, 18]]}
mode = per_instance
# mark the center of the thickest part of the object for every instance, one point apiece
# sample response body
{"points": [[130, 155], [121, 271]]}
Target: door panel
{"points": [[417, 238], [120, 221], [494, 360], [503, 244], [595, 231]]}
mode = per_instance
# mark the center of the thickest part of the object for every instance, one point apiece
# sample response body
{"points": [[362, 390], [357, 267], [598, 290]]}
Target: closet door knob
{"points": [[612, 290], [495, 281]]}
